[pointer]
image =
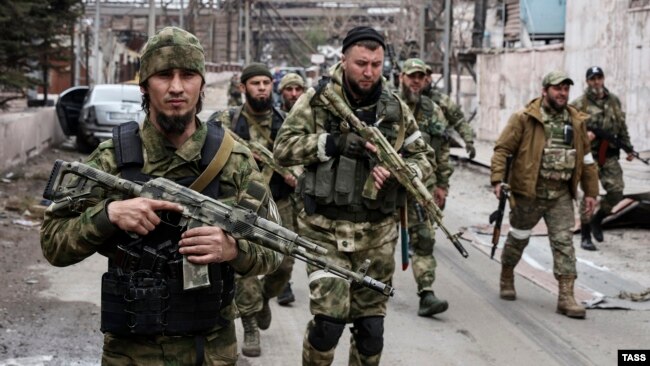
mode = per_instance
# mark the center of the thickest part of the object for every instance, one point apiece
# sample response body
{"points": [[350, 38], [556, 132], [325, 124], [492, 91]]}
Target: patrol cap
{"points": [[254, 69], [413, 65], [593, 71], [555, 78], [291, 79], [172, 48], [362, 33], [429, 70]]}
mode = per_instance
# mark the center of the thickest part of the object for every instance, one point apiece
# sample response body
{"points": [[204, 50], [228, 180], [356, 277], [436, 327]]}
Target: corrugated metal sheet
{"points": [[512, 29]]}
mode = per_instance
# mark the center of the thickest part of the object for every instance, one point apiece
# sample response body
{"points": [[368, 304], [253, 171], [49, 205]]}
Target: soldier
{"points": [[257, 120], [175, 145], [453, 114], [432, 124], [549, 142], [339, 214], [234, 94], [292, 86], [606, 118]]}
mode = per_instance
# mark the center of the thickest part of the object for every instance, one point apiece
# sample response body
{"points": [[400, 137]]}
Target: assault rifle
{"points": [[391, 160], [265, 156], [607, 139], [200, 210], [497, 216]]}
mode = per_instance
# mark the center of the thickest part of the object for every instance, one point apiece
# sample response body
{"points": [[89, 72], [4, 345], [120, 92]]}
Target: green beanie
{"points": [[254, 69], [172, 48]]}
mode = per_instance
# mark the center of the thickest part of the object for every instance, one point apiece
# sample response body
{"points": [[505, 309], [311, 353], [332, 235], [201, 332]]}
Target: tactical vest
{"points": [[434, 134], [558, 157], [335, 188], [279, 189], [142, 292]]}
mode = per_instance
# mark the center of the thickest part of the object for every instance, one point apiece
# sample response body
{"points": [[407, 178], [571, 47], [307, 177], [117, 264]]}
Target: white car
{"points": [[104, 106]]}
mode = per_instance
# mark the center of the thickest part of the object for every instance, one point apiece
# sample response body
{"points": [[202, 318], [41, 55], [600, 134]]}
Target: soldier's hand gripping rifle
{"points": [[200, 210], [497, 216], [265, 156], [391, 160], [607, 139]]}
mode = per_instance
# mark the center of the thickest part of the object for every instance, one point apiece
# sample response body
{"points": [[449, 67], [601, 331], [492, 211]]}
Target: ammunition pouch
{"points": [[148, 303], [558, 163]]}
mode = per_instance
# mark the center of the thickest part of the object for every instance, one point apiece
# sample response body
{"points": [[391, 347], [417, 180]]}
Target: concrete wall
{"points": [[26, 134], [606, 33], [509, 80], [617, 38]]}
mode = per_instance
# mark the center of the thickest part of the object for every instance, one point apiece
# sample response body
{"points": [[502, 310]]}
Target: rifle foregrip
{"points": [[48, 193]]}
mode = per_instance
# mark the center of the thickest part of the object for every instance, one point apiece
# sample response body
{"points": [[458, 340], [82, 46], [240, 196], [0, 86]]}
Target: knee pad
{"points": [[368, 335], [325, 333]]}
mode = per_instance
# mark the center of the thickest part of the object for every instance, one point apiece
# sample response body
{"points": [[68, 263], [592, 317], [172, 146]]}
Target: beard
{"points": [[557, 106], [259, 104], [288, 104], [410, 96], [597, 91], [174, 125], [356, 89]]}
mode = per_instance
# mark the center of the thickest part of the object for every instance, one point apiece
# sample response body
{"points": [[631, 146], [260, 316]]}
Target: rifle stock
{"points": [[607, 139], [200, 210], [391, 160]]}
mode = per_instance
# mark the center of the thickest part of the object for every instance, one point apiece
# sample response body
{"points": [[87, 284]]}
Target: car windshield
{"points": [[122, 94]]}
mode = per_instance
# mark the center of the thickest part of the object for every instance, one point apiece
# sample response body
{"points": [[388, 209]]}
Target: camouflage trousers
{"points": [[611, 178], [558, 216], [251, 291], [335, 297], [220, 348], [421, 241]]}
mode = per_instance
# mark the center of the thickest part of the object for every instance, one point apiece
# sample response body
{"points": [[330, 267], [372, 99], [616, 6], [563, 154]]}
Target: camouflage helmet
{"points": [[172, 48], [413, 65], [291, 79]]}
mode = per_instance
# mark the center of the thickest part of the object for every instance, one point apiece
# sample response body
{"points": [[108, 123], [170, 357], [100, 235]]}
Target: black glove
{"points": [[347, 144]]}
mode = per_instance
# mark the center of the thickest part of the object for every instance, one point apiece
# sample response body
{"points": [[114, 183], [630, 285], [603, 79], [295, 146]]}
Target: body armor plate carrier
{"points": [[142, 292]]}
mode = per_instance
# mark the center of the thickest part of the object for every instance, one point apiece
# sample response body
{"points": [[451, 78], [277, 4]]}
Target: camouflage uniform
{"points": [[301, 141], [251, 291], [548, 164], [432, 124], [606, 114], [454, 116], [73, 231], [68, 237], [234, 93]]}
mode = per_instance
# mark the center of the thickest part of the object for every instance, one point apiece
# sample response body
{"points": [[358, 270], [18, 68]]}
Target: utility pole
{"points": [[181, 16], [446, 74], [98, 59], [247, 45], [152, 18]]}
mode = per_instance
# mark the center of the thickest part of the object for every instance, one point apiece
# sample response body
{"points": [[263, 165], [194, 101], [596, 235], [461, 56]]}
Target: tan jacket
{"points": [[524, 138]]}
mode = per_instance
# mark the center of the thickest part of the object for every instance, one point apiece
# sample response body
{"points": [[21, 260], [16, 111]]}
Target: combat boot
{"points": [[585, 233], [263, 316], [431, 305], [251, 347], [566, 303], [507, 283], [286, 297], [596, 227]]}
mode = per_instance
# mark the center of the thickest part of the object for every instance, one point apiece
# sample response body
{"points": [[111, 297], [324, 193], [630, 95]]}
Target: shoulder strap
{"points": [[276, 121], [128, 151], [401, 134], [216, 164]]}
